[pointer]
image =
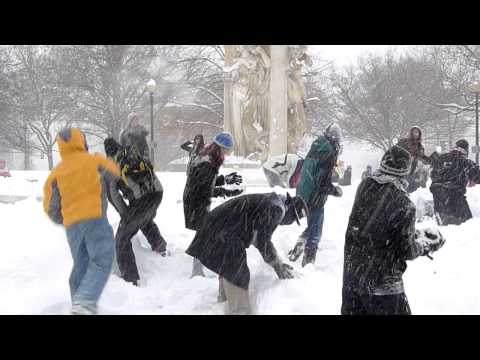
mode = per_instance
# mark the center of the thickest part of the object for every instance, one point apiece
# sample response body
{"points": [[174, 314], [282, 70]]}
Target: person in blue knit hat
{"points": [[224, 139], [204, 182]]}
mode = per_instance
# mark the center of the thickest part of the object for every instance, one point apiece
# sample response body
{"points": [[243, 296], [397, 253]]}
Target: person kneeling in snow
{"points": [[144, 192], [380, 237], [75, 196], [231, 228]]}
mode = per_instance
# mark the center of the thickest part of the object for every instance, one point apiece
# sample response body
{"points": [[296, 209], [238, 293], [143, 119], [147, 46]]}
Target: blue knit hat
{"points": [[224, 139]]}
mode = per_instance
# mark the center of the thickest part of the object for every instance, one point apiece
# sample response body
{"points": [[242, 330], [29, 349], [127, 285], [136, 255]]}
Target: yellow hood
{"points": [[70, 140]]}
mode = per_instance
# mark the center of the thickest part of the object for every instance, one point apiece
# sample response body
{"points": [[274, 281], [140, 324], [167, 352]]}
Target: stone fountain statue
{"points": [[296, 92], [265, 98]]}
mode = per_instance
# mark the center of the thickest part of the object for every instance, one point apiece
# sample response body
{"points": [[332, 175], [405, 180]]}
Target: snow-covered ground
{"points": [[35, 262]]}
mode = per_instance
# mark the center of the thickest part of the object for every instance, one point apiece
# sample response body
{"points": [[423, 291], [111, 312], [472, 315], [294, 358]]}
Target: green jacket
{"points": [[315, 179]]}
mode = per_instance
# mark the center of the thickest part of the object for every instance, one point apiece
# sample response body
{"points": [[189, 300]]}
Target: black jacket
{"points": [[380, 237], [231, 228], [203, 183], [450, 176], [453, 170]]}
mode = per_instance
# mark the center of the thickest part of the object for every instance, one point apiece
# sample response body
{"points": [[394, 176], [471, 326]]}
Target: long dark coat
{"points": [[203, 183], [231, 228], [380, 238], [450, 176]]}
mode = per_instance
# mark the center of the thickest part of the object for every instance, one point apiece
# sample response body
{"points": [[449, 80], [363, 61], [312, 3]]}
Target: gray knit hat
{"points": [[396, 161]]}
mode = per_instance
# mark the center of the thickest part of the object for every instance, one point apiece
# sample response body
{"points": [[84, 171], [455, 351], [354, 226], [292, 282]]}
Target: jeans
{"points": [[313, 232], [92, 247]]}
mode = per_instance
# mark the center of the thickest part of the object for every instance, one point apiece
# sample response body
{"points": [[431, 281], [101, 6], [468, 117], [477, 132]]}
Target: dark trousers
{"points": [[355, 303], [139, 217], [450, 206], [412, 184]]}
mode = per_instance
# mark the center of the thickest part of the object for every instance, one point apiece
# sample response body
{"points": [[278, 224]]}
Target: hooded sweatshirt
{"points": [[75, 190]]}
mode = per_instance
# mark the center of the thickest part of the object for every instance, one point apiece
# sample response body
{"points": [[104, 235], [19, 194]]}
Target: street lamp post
{"points": [[476, 89], [151, 86]]}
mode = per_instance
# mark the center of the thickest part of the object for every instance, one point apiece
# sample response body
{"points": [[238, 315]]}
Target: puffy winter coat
{"points": [[231, 228], [315, 178], [136, 189], [380, 238], [75, 190], [203, 183]]}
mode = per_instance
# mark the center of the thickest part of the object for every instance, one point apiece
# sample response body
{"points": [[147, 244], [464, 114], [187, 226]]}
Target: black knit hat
{"points": [[112, 147], [396, 161], [463, 144]]}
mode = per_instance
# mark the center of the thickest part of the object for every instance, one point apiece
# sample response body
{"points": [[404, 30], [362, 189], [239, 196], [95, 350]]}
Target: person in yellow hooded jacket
{"points": [[75, 196]]}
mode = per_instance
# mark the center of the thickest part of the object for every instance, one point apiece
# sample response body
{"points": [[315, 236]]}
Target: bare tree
{"points": [[38, 103], [378, 100], [110, 82]]}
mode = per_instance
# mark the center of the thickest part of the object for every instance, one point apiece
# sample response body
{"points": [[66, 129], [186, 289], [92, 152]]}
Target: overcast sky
{"points": [[346, 54]]}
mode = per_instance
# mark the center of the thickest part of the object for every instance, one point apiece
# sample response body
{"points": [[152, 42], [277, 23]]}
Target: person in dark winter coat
{"points": [[367, 172], [135, 134], [231, 228], [193, 147], [450, 175], [413, 144], [144, 195], [314, 187], [346, 180], [380, 237], [203, 183], [283, 170]]}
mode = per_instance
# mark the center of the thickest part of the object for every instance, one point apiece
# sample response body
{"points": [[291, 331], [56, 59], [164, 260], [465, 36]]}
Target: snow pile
{"points": [[35, 262]]}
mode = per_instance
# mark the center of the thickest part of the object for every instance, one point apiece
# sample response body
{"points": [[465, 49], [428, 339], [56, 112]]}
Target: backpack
{"points": [[134, 166]]}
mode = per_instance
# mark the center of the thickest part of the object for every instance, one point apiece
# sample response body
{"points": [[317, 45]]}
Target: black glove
{"points": [[234, 192], [284, 271], [335, 191], [233, 178]]}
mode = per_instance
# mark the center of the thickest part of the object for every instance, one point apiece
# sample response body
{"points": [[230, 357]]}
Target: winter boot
{"points": [[197, 268], [295, 253], [309, 256]]}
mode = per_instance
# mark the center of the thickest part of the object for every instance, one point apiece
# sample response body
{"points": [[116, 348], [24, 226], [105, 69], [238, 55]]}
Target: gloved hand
{"points": [[336, 191], [431, 240], [284, 271], [234, 192], [233, 178]]}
